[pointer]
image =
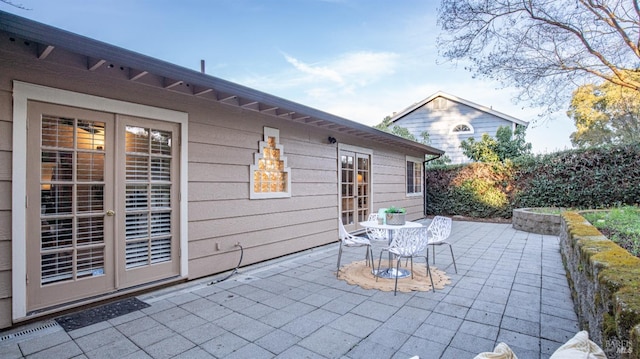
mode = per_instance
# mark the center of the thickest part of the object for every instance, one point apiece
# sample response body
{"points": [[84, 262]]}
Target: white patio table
{"points": [[390, 272]]}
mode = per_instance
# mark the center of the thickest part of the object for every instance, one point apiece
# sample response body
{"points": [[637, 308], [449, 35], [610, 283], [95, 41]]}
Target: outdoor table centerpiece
{"points": [[395, 216]]}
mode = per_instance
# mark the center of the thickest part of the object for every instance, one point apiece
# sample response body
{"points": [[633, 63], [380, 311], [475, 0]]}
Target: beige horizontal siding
{"points": [[259, 238], [205, 210], [5, 255], [6, 111], [5, 284], [6, 146], [205, 266], [212, 191], [5, 171], [6, 136], [5, 312], [218, 154], [5, 225], [5, 195], [263, 222]]}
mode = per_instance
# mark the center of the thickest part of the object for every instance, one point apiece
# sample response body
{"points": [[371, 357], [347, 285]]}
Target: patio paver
{"points": [[510, 287]]}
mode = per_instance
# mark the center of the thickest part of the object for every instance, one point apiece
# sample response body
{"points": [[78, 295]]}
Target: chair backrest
{"points": [[439, 229], [409, 241], [342, 231], [376, 234]]}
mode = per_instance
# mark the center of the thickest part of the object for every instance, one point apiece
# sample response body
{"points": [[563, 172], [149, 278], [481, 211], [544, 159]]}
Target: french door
{"points": [[355, 188], [147, 193], [101, 206]]}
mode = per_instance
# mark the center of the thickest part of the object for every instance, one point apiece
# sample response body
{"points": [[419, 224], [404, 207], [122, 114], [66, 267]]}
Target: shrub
{"points": [[584, 178]]}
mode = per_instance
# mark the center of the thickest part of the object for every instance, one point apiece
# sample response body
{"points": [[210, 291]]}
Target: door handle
{"points": [[111, 213]]}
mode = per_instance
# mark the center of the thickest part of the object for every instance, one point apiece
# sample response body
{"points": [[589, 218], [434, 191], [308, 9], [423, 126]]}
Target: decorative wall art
{"points": [[269, 175]]}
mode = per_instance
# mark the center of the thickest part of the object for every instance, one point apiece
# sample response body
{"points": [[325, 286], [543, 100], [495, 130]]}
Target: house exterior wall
{"points": [[389, 184], [5, 207], [438, 120], [222, 141]]}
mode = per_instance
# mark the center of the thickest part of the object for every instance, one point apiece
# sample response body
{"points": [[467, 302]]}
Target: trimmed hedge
{"points": [[584, 178]]}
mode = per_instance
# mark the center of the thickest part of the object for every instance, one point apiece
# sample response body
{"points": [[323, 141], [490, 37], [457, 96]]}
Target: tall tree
{"points": [[506, 145], [605, 114], [544, 47]]}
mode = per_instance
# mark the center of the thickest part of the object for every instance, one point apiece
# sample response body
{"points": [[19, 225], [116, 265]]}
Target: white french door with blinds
{"points": [[355, 185], [102, 203]]}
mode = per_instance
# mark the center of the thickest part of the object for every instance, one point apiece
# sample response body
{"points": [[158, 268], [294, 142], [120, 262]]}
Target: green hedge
{"points": [[585, 178]]}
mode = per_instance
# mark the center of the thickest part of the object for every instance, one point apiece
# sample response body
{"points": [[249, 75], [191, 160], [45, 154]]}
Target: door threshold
{"points": [[62, 309]]}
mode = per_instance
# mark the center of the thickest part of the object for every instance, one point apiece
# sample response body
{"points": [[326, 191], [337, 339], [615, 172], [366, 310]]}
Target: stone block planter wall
{"points": [[605, 284], [525, 219]]}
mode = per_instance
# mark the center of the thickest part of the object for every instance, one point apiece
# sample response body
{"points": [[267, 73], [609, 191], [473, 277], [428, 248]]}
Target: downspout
{"points": [[424, 184]]}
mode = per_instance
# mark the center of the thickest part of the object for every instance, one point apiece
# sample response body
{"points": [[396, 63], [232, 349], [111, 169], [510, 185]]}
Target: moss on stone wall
{"points": [[614, 295]]}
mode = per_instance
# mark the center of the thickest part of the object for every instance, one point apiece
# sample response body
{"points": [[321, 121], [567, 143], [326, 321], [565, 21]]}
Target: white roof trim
{"points": [[417, 105]]}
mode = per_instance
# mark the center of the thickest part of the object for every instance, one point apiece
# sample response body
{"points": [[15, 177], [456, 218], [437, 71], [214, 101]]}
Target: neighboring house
{"points": [[120, 172], [449, 120]]}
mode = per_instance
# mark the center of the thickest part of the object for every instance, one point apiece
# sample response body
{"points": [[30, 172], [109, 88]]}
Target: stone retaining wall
{"points": [[525, 219], [605, 284]]}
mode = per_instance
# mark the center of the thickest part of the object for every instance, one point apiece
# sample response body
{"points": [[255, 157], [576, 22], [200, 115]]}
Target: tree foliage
{"points": [[387, 126], [544, 47], [506, 145], [605, 114]]}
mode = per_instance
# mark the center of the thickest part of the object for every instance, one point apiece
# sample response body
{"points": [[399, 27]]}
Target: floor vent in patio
{"points": [[30, 331], [99, 314]]}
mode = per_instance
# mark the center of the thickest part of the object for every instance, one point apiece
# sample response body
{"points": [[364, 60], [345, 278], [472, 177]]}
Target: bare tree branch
{"points": [[544, 47], [19, 6]]}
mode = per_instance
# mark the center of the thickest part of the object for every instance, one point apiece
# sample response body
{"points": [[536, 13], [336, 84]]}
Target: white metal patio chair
{"points": [[438, 232], [407, 243], [376, 234], [349, 240]]}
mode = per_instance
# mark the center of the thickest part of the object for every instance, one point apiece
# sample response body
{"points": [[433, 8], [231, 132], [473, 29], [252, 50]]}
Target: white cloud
{"points": [[315, 73], [346, 72]]}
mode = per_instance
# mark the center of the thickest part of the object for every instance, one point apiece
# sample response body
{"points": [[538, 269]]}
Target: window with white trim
{"points": [[462, 128], [414, 176]]}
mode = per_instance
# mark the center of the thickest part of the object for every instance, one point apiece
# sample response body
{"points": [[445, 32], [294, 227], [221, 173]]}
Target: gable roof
{"points": [[417, 105], [44, 40]]}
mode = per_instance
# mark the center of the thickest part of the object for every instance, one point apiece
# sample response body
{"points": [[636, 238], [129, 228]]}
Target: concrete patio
{"points": [[510, 287]]}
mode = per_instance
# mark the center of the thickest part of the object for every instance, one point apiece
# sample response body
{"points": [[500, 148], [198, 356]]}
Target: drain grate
{"points": [[30, 331], [100, 314]]}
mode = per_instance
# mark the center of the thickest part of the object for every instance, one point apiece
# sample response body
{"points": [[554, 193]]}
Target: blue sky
{"points": [[358, 59]]}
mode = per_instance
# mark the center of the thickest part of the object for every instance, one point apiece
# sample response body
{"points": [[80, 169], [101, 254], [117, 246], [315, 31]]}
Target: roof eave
{"points": [[53, 37], [417, 105]]}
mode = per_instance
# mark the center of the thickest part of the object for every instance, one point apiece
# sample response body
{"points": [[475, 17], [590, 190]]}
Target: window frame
{"points": [[468, 132], [416, 163]]}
